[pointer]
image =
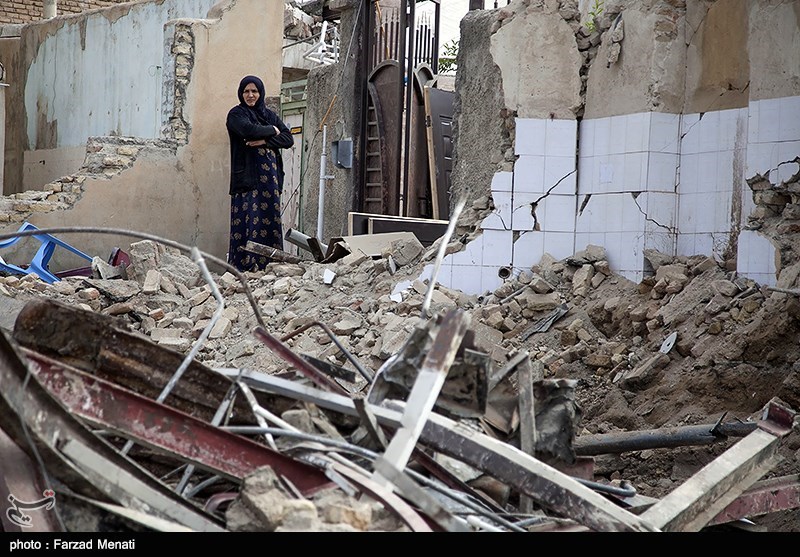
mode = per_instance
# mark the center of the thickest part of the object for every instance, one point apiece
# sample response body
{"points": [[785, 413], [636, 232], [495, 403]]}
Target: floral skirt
{"points": [[256, 217]]}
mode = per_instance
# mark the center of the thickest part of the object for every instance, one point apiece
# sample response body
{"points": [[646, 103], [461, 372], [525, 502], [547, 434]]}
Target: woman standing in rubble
{"points": [[256, 136]]}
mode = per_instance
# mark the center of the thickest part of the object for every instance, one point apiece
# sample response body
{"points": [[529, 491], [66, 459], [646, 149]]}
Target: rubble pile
{"points": [[691, 344]]}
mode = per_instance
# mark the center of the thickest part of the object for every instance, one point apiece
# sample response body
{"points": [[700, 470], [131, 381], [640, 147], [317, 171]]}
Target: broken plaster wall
{"points": [[64, 62], [176, 187], [640, 170]]}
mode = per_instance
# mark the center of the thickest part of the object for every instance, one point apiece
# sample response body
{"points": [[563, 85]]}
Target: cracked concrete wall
{"points": [[63, 62], [650, 71], [683, 103], [178, 187], [333, 92]]}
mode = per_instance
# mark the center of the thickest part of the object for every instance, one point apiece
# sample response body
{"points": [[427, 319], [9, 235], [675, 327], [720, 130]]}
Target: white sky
{"points": [[452, 11]]}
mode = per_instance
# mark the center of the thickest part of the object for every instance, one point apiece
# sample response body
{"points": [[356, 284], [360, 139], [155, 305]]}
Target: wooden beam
{"points": [[702, 497], [425, 391]]}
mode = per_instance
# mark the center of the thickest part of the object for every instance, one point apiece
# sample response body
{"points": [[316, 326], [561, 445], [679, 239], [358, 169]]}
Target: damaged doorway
{"points": [[405, 169]]}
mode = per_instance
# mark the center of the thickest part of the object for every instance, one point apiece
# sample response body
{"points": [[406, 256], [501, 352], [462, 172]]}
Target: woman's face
{"points": [[250, 94]]}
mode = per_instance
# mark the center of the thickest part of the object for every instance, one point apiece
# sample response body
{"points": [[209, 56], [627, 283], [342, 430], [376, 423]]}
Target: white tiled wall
{"points": [[756, 258], [652, 180]]}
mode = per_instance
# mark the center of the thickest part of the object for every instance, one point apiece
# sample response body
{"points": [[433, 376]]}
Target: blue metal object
{"points": [[41, 260]]}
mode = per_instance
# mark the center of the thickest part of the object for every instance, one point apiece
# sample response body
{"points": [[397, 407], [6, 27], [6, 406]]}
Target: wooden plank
{"points": [[425, 391], [439, 111], [358, 223], [426, 232], [527, 421], [696, 502], [273, 253]]}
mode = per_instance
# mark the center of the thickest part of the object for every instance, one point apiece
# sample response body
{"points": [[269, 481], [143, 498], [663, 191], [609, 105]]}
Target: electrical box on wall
{"points": [[342, 152]]}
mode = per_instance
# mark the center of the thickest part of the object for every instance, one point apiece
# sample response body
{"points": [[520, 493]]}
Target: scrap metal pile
{"points": [[142, 436]]}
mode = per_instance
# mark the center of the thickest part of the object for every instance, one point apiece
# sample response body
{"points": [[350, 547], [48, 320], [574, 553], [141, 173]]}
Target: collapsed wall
{"points": [[172, 182], [631, 128]]}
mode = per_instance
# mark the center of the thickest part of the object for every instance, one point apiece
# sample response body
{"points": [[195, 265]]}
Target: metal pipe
{"points": [[301, 240], [615, 443], [323, 165]]}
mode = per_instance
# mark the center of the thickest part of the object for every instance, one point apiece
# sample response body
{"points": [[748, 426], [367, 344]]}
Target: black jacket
{"points": [[242, 127]]}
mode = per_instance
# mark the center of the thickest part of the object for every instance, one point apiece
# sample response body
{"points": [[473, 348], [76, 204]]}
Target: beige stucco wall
{"points": [[538, 59], [650, 72], [180, 191], [774, 48]]}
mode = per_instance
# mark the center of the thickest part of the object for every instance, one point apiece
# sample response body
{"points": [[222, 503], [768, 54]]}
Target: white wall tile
{"points": [[787, 151], [752, 121], [615, 203], [709, 132], [445, 274], [500, 218], [722, 212], [605, 174], [789, 110], [690, 134], [556, 213], [707, 172], [530, 136], [521, 217], [632, 214], [467, 279], [561, 138], [595, 210], [617, 166], [471, 255], [586, 130], [631, 258], [685, 244], [602, 136], [497, 247], [761, 157], [559, 244], [756, 257], [529, 174], [703, 243], [490, 278], [769, 121], [661, 241], [687, 214], [503, 181], [634, 174], [661, 208], [617, 135], [728, 123], [664, 132], [689, 174], [559, 175], [637, 132], [615, 246], [705, 209], [587, 177], [662, 172], [528, 249], [726, 178], [583, 219]]}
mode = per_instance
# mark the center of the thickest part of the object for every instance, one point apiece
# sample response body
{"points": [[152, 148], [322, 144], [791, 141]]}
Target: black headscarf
{"points": [[260, 110]]}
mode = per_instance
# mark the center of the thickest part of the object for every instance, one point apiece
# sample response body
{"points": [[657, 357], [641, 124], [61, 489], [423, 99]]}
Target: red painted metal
{"points": [[764, 497], [155, 425]]}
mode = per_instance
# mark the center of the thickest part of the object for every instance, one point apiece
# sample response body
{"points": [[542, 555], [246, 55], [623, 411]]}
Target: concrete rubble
{"points": [[731, 352]]}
